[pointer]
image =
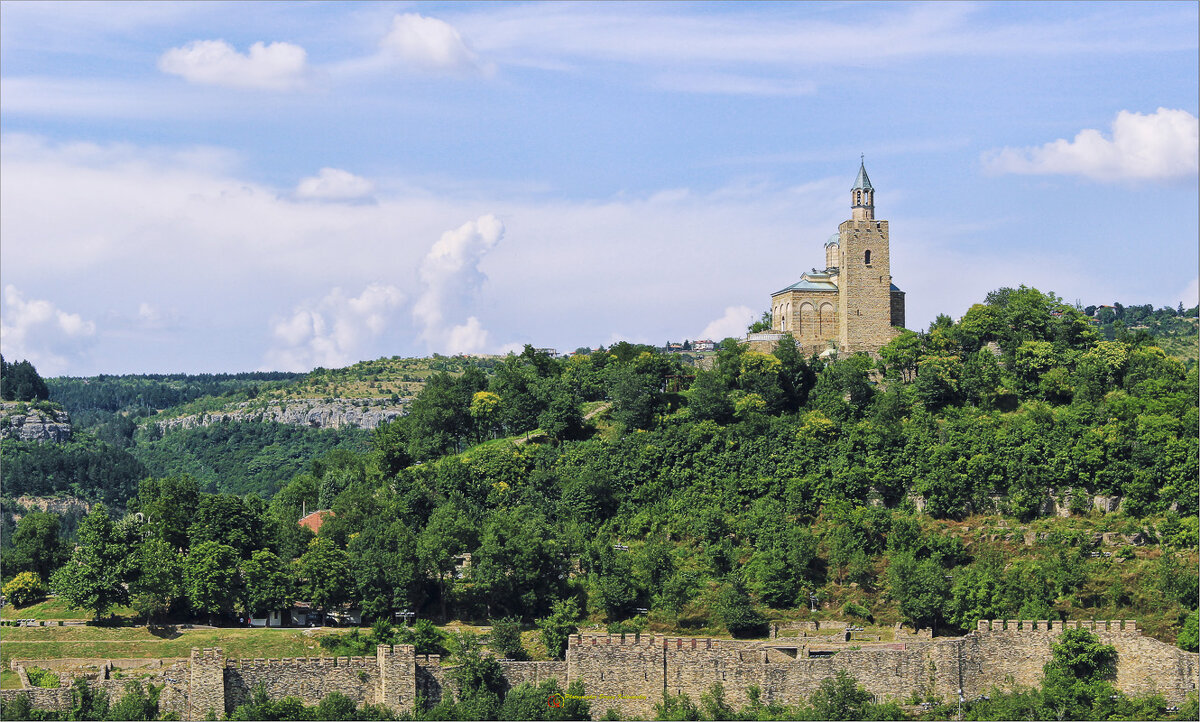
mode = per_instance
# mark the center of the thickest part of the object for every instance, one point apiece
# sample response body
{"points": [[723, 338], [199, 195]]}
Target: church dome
{"points": [[835, 238]]}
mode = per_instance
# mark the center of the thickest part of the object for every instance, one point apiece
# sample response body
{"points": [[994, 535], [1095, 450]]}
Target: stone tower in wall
{"points": [[866, 312]]}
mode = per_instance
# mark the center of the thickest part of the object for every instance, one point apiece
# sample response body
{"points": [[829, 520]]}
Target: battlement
{"points": [[390, 650], [429, 660], [1128, 626], [301, 662], [208, 653], [654, 641]]}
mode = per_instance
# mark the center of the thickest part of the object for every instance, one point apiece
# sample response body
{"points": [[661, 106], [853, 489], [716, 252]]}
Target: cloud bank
{"points": [[333, 184], [1163, 145], [427, 43], [336, 331], [732, 323], [38, 331], [451, 279], [278, 66]]}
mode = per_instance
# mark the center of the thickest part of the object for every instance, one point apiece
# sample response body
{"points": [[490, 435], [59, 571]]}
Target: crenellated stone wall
{"points": [[358, 678], [630, 673]]}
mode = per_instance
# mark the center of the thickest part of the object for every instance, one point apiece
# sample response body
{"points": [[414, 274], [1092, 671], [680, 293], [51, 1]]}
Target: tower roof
{"points": [[862, 182]]}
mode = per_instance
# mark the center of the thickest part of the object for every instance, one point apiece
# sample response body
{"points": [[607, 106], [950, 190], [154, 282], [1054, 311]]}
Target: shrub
{"points": [[25, 589], [39, 677]]}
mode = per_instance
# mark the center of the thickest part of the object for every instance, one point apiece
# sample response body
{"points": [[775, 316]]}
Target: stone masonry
{"points": [[630, 673], [850, 305]]}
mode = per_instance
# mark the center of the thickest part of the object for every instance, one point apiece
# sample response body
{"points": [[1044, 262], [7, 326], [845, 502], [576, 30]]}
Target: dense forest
{"points": [[951, 480]]}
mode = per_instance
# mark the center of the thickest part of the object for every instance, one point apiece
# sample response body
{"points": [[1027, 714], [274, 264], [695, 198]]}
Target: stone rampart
{"points": [[1015, 651], [310, 679], [630, 673]]}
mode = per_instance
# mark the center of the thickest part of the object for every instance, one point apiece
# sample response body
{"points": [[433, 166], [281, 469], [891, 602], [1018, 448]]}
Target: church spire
{"points": [[862, 182], [862, 195]]}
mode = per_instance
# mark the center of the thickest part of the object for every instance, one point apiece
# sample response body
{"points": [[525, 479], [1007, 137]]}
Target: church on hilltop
{"points": [[852, 305]]}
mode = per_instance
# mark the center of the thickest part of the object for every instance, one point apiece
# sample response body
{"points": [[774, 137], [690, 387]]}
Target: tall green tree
{"points": [[158, 583], [94, 577], [267, 584], [324, 572], [36, 546], [169, 506], [210, 578]]}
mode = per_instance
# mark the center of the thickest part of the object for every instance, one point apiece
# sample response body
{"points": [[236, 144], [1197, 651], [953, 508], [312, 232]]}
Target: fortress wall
{"points": [[41, 698], [518, 673], [397, 668], [310, 679], [206, 683], [629, 673], [616, 667], [431, 679], [1017, 651]]}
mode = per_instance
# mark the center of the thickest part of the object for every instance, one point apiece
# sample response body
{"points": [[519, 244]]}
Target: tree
{"points": [[736, 612], [158, 581], [1187, 639], [480, 679], [637, 397], [169, 506], [562, 417], [266, 584], [20, 382], [94, 577], [762, 324], [559, 626], [324, 572], [485, 411], [210, 578], [424, 636], [902, 354], [505, 638], [518, 567], [1077, 681], [920, 587], [450, 531], [840, 698], [229, 520], [36, 546], [383, 563], [136, 703]]}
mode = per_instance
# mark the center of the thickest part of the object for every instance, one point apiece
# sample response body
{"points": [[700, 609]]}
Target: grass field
{"points": [[53, 610], [139, 642]]}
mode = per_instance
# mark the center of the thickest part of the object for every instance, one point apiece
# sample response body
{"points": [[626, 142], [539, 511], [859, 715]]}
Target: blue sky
{"points": [[228, 187]]}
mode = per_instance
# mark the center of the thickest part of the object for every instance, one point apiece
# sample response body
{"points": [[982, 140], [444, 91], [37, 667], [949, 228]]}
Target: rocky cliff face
{"points": [[26, 422], [310, 413]]}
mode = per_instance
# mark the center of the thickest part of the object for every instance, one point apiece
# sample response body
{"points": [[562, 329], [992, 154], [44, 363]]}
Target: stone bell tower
{"points": [[865, 304]]}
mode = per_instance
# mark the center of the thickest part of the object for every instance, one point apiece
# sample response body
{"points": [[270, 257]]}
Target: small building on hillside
{"points": [[313, 521]]}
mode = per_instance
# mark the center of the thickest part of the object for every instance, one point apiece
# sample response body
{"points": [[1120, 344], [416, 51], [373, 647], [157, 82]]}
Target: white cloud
{"points": [[733, 323], [429, 44], [451, 279], [1160, 146], [278, 66], [469, 337], [1190, 296], [335, 331], [333, 184], [42, 333]]}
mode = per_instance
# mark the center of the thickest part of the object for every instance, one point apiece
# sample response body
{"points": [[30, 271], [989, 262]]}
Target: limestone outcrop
{"points": [[37, 421], [309, 413]]}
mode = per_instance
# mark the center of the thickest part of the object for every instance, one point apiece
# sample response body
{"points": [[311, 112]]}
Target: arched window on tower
{"points": [[867, 257], [858, 197]]}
